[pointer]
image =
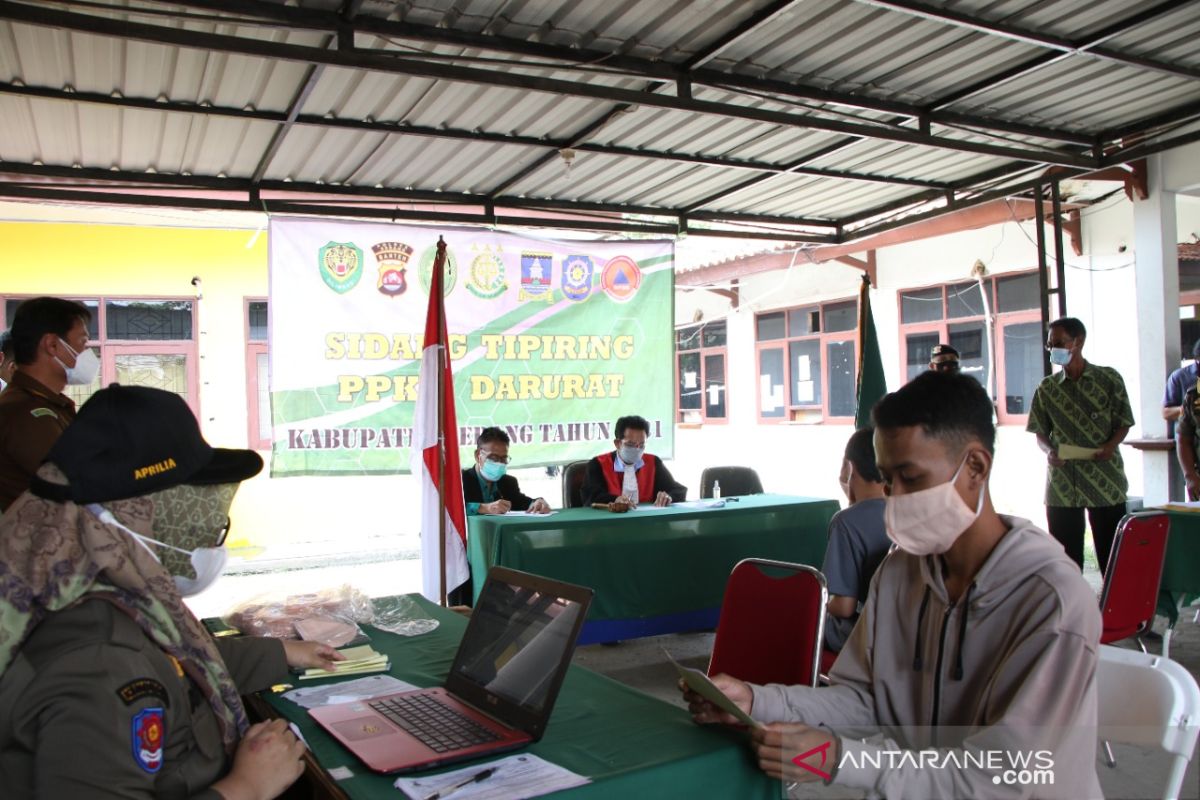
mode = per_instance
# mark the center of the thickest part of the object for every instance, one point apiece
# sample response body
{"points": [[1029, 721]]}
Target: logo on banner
{"points": [[577, 274], [393, 261], [341, 265], [621, 278], [486, 277], [535, 277], [425, 269]]}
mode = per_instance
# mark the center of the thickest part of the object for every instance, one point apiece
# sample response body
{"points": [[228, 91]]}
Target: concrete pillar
{"points": [[1156, 270]]}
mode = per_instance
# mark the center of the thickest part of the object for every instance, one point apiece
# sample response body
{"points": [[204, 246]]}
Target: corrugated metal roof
{"points": [[470, 102]]}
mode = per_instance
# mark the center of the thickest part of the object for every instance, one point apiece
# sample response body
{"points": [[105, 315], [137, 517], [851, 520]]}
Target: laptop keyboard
{"points": [[436, 725]]}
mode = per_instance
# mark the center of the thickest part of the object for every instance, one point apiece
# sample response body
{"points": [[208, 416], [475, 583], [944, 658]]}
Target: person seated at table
{"points": [[979, 632], [629, 475], [486, 487], [109, 686], [857, 539]]}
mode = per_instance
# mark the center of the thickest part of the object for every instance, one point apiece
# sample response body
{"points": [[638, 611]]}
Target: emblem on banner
{"points": [[147, 739], [621, 278], [577, 274], [535, 277], [425, 269], [393, 261], [486, 276], [341, 265]]}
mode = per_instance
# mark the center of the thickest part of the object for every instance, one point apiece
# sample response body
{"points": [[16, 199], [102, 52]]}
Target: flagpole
{"points": [[436, 286]]}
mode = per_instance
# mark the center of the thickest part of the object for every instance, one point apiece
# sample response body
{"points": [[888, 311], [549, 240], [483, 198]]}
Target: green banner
{"points": [[549, 340]]}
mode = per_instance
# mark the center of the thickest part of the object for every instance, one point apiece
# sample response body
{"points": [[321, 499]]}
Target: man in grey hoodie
{"points": [[972, 669]]}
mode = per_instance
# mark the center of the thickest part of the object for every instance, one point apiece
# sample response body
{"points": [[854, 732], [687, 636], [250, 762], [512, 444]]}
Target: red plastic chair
{"points": [[1131, 581], [771, 624]]}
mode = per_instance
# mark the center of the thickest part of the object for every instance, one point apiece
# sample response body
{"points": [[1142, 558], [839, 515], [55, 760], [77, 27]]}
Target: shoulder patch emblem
{"points": [[139, 688], [43, 412], [148, 731]]}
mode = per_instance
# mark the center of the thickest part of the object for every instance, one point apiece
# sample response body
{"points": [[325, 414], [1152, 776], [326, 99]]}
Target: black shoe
{"points": [[1151, 636]]}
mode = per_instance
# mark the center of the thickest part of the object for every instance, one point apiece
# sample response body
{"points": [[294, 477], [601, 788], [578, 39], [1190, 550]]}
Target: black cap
{"points": [[129, 441], [943, 350]]}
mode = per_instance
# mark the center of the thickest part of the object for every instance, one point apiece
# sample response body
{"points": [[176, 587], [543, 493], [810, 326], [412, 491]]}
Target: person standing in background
{"points": [[1080, 416]]}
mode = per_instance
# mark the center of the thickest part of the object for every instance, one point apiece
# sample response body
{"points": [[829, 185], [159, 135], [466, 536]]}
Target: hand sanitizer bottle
{"points": [[716, 490]]}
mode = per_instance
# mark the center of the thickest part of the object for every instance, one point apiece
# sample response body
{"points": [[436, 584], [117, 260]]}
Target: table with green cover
{"points": [[631, 745], [1181, 567], [653, 570]]}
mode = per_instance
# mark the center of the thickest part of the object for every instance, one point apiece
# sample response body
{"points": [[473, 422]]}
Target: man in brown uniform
{"points": [[50, 338], [109, 686]]}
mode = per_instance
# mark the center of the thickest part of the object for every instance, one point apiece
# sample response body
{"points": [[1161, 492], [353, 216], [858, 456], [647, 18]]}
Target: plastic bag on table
{"points": [[401, 615], [274, 616]]}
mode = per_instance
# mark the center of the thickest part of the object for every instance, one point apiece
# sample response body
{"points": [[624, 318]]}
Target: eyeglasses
{"points": [[945, 366], [634, 445], [498, 459], [224, 533]]}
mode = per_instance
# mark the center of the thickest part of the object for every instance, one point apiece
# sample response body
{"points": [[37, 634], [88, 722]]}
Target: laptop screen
{"points": [[518, 643]]}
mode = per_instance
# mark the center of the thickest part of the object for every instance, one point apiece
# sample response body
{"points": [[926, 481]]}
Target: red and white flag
{"points": [[427, 441]]}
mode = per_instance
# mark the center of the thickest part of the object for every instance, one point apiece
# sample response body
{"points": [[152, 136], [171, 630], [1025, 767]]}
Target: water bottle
{"points": [[716, 490]]}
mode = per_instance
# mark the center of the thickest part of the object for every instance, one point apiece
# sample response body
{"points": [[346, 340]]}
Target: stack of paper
{"points": [[359, 661]]}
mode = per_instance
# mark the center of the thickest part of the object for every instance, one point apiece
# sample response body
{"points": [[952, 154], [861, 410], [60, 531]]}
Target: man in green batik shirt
{"points": [[1187, 439], [1080, 415]]}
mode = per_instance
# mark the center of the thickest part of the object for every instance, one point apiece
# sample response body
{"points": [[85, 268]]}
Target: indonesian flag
{"points": [[426, 443]]}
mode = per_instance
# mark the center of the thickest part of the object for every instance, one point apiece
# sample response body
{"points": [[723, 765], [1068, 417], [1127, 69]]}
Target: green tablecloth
{"points": [[1181, 568], [630, 744], [652, 562]]}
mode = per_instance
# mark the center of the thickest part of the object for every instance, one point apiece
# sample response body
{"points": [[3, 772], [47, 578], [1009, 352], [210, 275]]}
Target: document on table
{"points": [[358, 661], [511, 778], [527, 514], [348, 691], [699, 683], [718, 503], [1069, 452], [1191, 506]]}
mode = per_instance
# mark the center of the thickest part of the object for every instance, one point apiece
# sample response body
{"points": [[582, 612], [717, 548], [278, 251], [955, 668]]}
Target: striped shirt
{"points": [[1084, 412]]}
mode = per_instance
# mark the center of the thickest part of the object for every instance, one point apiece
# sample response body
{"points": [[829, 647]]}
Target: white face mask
{"points": [[86, 366], [207, 562], [931, 520]]}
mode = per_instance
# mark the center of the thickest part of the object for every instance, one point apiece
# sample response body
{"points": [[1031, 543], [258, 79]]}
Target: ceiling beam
{"points": [[270, 206], [1060, 48], [402, 128], [601, 62], [91, 178]]}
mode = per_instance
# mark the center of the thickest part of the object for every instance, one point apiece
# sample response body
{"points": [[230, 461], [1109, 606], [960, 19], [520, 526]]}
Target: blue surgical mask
{"points": [[492, 471], [1060, 356]]}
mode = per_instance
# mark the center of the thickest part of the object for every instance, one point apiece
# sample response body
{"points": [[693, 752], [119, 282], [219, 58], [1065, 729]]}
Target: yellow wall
{"points": [[127, 261]]}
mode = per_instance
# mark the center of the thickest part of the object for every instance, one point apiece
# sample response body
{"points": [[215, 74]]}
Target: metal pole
{"points": [[1060, 267], [436, 286], [1039, 217]]}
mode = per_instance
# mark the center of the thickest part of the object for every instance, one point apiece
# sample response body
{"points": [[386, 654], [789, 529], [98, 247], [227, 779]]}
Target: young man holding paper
{"points": [[1081, 415], [977, 646]]}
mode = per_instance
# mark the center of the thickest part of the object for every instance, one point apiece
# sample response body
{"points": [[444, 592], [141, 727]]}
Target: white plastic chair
{"points": [[1149, 701]]}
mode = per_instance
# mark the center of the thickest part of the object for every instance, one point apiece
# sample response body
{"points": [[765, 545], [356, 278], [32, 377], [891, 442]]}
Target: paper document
{"points": [[348, 691], [1073, 451], [699, 504], [511, 778], [358, 661], [699, 683], [527, 514], [1191, 506]]}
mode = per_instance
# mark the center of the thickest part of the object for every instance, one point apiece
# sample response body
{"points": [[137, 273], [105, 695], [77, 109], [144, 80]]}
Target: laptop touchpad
{"points": [[363, 728]]}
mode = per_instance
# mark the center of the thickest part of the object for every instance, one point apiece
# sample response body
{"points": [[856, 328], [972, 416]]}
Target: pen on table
{"points": [[449, 790]]}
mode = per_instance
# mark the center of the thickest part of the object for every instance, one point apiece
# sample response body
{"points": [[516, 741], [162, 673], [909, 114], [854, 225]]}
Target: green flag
{"points": [[871, 385]]}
